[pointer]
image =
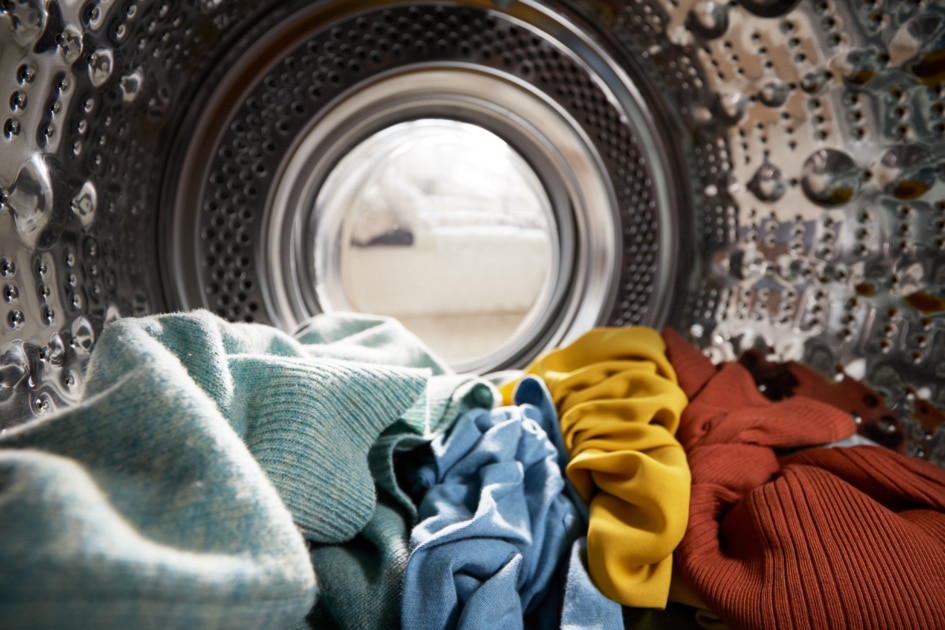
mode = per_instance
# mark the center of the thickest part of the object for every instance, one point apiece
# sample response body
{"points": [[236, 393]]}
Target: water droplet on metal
{"points": [[70, 44], [55, 350], [768, 184], [769, 8], [905, 172], [30, 198], [28, 18], [708, 20], [101, 64], [814, 81], [729, 108], [131, 85], [831, 178], [85, 203], [83, 335], [774, 94]]}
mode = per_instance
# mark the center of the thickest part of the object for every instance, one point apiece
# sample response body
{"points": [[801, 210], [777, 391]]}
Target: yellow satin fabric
{"points": [[619, 408]]}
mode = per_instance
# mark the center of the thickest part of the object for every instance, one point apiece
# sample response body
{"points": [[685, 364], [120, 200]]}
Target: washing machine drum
{"points": [[501, 176]]}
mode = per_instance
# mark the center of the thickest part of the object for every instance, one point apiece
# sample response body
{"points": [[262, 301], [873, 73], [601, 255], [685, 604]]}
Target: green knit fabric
{"points": [[160, 500], [364, 577]]}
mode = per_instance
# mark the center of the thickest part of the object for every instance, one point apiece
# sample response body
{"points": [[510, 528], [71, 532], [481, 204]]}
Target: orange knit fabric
{"points": [[822, 538]]}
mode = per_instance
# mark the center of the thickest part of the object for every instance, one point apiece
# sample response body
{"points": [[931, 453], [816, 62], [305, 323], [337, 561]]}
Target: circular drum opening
{"points": [[500, 184], [444, 226]]}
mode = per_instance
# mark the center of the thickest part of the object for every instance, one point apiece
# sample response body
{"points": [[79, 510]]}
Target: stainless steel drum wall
{"points": [[774, 168], [302, 95]]}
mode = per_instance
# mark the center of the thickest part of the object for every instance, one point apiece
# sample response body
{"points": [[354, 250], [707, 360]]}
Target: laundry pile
{"points": [[220, 475]]}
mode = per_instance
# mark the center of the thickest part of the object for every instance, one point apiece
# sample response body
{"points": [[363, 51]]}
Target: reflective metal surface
{"points": [[761, 174]]}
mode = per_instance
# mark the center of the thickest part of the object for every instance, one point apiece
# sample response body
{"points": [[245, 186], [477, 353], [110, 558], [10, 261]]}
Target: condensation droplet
{"points": [[768, 183], [85, 203], [56, 350], [70, 44], [729, 108], [100, 66], [814, 81], [769, 8], [30, 198], [831, 178], [28, 19], [905, 172], [774, 94], [131, 85], [83, 335], [708, 20]]}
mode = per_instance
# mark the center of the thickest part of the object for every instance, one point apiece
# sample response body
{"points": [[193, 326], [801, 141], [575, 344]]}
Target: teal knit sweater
{"points": [[179, 491]]}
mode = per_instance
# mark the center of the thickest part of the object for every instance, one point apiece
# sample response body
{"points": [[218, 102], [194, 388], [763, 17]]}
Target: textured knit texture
{"points": [[620, 406], [155, 502], [362, 579], [496, 525], [825, 537]]}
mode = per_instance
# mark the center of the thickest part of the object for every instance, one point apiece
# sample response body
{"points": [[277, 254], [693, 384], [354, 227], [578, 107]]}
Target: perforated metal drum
{"points": [[760, 174]]}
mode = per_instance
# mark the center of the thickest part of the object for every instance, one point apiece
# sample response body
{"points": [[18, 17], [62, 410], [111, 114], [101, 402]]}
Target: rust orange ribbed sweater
{"points": [[822, 538]]}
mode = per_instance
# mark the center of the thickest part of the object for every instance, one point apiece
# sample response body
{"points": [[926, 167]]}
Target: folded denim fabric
{"points": [[496, 525], [584, 607], [161, 499]]}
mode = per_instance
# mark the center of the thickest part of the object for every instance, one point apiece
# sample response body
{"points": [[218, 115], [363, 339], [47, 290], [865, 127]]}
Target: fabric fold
{"points": [[820, 537], [619, 406], [496, 524], [175, 492]]}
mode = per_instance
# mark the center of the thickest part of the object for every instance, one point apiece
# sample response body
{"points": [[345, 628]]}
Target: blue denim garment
{"points": [[578, 602], [584, 606], [496, 524]]}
